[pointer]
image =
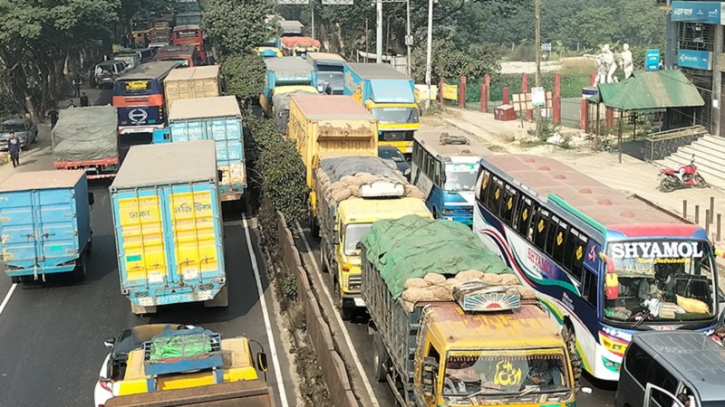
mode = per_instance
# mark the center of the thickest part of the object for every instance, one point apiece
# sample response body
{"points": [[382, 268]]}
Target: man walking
{"points": [[77, 81], [14, 149], [84, 100], [53, 114]]}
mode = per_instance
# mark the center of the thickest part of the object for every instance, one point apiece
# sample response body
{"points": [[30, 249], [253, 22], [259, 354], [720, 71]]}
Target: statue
{"points": [[605, 66], [627, 65]]}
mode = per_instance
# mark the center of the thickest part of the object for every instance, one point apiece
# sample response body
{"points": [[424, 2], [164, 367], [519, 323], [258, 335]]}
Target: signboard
{"points": [[546, 47], [682, 251], [708, 12], [338, 2], [538, 97], [653, 60], [694, 59], [293, 2], [450, 92], [137, 85]]}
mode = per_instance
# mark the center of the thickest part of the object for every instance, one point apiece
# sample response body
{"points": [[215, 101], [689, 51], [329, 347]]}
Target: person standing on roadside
{"points": [[84, 100], [53, 114], [77, 81], [14, 149]]}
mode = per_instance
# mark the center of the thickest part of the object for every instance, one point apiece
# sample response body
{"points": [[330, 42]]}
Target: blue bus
{"points": [[138, 96], [445, 166], [605, 265]]}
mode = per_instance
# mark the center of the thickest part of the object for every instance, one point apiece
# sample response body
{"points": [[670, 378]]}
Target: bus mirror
{"points": [[611, 279]]}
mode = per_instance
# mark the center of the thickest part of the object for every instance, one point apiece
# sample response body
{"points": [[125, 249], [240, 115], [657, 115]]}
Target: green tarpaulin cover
{"points": [[167, 347], [413, 246]]}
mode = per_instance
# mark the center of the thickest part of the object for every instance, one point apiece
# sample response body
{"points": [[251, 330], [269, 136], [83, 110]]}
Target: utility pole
{"points": [[408, 39], [379, 33], [428, 61], [537, 44], [312, 16]]}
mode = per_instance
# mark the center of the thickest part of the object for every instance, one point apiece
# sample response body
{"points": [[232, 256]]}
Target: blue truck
{"points": [[218, 119], [168, 226], [330, 71], [45, 223], [285, 75]]}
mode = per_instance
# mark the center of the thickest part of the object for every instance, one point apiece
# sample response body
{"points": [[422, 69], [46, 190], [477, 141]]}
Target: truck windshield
{"points": [[396, 115], [353, 234], [662, 281], [335, 79], [493, 374], [461, 177]]}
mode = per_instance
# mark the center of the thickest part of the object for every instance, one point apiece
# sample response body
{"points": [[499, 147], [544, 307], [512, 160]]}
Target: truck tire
{"points": [[380, 359], [139, 310], [79, 273], [314, 227], [323, 263], [15, 280], [27, 279], [220, 301], [346, 313]]}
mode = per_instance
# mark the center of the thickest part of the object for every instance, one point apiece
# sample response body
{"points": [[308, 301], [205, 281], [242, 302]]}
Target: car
{"points": [[107, 72], [393, 154], [25, 130], [114, 366]]}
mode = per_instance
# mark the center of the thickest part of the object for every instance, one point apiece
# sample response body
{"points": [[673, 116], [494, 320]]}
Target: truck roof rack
{"points": [[477, 296]]}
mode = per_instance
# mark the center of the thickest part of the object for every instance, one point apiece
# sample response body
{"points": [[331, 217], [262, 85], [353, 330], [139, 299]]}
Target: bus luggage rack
{"points": [[183, 351]]}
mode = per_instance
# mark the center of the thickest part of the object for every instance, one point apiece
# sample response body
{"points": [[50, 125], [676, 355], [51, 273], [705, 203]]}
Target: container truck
{"points": [[192, 83], [217, 119], [45, 224], [87, 139], [352, 193], [389, 96], [330, 72], [451, 325], [285, 75], [168, 226], [299, 46], [192, 367]]}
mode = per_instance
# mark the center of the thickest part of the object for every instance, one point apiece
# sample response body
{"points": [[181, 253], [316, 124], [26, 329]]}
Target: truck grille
{"points": [[354, 283]]}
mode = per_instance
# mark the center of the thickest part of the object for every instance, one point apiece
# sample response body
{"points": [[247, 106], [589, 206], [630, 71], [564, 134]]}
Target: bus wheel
{"points": [[569, 336]]}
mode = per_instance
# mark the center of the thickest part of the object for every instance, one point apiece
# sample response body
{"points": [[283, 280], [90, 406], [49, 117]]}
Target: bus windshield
{"points": [[396, 114], [662, 280], [133, 87], [504, 373], [461, 177], [353, 234]]}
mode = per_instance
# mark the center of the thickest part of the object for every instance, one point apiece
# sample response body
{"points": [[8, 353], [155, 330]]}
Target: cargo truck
{"points": [[389, 96], [285, 75], [192, 367], [481, 340], [217, 119], [352, 193], [192, 83], [168, 226], [87, 139], [299, 46], [45, 224], [330, 72]]}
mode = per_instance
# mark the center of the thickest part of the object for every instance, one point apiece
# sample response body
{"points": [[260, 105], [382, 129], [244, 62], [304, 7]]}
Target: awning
{"points": [[391, 91], [650, 91]]}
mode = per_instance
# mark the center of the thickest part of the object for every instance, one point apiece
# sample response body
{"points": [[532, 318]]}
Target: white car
{"points": [[114, 366]]}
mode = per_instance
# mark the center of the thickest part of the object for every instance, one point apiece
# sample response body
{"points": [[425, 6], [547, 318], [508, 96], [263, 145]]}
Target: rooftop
{"points": [[430, 137], [26, 181], [219, 106], [150, 70], [324, 56], [331, 107], [376, 71]]}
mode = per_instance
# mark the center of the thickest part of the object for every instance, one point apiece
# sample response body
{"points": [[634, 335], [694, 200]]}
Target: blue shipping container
{"points": [[218, 119], [168, 226], [45, 223]]}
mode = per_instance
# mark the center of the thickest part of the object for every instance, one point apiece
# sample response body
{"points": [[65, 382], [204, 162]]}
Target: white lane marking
{"points": [[348, 341], [7, 297], [267, 323]]}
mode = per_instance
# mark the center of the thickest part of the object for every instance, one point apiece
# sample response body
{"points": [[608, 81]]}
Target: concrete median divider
{"points": [[341, 394]]}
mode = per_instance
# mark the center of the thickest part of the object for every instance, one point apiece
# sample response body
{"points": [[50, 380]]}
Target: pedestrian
{"points": [[77, 81], [14, 149], [71, 104], [84, 100], [53, 114]]}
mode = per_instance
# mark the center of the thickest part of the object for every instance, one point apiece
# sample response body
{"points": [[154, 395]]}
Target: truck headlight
{"points": [[407, 172]]}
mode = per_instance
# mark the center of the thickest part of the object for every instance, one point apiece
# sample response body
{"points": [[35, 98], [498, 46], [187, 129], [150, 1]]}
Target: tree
{"points": [[449, 62], [236, 27], [244, 76]]}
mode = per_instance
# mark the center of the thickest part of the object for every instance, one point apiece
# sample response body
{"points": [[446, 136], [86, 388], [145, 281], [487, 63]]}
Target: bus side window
{"points": [[523, 216], [416, 153], [485, 182], [437, 173], [508, 204], [562, 234], [577, 255], [540, 224], [551, 235], [590, 282], [495, 196]]}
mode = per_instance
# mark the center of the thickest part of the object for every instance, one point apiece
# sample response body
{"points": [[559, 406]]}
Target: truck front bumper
{"points": [[353, 301]]}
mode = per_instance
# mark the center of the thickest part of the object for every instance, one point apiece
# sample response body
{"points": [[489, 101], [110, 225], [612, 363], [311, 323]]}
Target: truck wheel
{"points": [[220, 301], [139, 310], [323, 265], [345, 312], [79, 273], [27, 279], [89, 247], [314, 227], [15, 280], [380, 359]]}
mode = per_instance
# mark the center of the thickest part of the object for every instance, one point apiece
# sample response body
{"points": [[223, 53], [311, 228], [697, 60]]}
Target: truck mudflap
{"points": [[254, 393]]}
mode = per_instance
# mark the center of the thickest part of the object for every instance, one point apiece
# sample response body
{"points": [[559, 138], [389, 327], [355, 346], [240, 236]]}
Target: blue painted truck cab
{"points": [[45, 224], [285, 71], [218, 119], [168, 226]]}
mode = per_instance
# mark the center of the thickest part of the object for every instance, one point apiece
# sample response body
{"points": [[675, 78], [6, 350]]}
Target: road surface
{"points": [[52, 335]]}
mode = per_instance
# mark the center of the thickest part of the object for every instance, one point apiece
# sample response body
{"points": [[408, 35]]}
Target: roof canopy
{"points": [[649, 91]]}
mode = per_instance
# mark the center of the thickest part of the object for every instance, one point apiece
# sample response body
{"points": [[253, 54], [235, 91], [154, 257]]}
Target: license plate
{"points": [[359, 302]]}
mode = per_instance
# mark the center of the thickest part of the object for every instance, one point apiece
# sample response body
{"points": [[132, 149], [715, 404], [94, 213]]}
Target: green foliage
{"points": [[275, 166], [244, 75], [449, 62], [236, 27]]}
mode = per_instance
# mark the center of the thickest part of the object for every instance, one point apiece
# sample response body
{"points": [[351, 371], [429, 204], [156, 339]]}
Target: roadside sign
{"points": [[538, 97], [653, 60], [546, 47]]}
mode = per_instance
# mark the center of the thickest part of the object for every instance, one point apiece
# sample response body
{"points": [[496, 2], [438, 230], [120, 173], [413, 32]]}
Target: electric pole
{"points": [[408, 38], [379, 31], [428, 63], [537, 44]]}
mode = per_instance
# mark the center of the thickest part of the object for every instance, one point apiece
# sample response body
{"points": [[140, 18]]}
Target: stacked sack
{"points": [[350, 186], [436, 287]]}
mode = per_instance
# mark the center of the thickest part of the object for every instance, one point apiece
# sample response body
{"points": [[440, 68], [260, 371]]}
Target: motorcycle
{"points": [[690, 178]]}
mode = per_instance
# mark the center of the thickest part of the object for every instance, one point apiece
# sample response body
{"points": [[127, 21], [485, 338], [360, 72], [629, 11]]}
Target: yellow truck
{"points": [[451, 324], [192, 83]]}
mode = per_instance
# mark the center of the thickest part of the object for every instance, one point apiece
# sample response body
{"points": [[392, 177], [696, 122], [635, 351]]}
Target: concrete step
{"points": [[713, 176], [711, 146], [702, 156], [714, 139]]}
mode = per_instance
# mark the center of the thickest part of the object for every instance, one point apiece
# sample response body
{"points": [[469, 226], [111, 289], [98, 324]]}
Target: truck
{"points": [[330, 70], [168, 226], [451, 325], [192, 83], [192, 367], [389, 96], [45, 224], [352, 193], [299, 46], [218, 119], [286, 75], [87, 139]]}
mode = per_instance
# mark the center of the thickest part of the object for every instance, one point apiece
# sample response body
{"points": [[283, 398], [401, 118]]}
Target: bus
{"points": [[186, 55], [604, 265], [138, 95], [160, 33], [445, 166], [191, 35]]}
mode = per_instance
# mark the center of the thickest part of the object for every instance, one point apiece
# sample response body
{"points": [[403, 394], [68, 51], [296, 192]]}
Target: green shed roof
{"points": [[649, 91]]}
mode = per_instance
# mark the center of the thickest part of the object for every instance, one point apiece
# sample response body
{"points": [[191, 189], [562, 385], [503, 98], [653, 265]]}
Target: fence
{"points": [[341, 394]]}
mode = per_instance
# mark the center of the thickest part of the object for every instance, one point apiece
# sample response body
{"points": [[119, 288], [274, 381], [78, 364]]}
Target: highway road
{"points": [[52, 334]]}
